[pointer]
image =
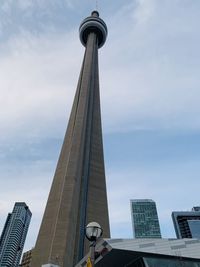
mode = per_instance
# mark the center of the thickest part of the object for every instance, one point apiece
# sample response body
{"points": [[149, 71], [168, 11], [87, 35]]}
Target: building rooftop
{"points": [[121, 252]]}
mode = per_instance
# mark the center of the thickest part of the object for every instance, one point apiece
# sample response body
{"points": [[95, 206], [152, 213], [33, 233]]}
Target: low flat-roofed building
{"points": [[146, 253]]}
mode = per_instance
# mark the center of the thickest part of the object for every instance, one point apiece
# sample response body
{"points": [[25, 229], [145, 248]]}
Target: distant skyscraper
{"points": [[14, 235], [26, 259], [78, 193], [196, 208], [187, 223], [145, 219]]}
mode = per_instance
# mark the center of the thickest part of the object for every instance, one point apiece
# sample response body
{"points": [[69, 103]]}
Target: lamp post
{"points": [[93, 232]]}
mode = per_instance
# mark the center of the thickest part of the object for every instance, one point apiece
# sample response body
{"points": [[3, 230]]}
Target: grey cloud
{"points": [[149, 80], [156, 66]]}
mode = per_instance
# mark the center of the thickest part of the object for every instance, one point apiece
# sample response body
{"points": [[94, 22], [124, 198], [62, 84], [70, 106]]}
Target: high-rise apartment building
{"points": [[145, 219], [14, 234], [187, 223]]}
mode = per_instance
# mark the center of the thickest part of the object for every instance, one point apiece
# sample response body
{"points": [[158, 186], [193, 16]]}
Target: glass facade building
{"points": [[145, 221], [194, 226], [187, 223], [14, 234]]}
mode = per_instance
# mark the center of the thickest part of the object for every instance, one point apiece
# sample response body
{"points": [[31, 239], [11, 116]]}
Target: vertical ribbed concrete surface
{"points": [[78, 192]]}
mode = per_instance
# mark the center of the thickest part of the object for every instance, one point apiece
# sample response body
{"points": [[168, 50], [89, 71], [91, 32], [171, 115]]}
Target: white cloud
{"points": [[144, 12], [36, 79], [150, 69], [154, 88], [30, 4]]}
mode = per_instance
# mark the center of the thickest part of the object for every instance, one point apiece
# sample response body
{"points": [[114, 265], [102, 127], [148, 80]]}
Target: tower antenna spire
{"points": [[97, 5]]}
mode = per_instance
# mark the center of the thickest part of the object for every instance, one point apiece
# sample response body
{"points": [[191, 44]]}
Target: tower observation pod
{"points": [[78, 192], [96, 25]]}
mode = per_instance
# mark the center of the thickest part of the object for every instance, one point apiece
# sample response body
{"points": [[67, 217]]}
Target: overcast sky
{"points": [[150, 94]]}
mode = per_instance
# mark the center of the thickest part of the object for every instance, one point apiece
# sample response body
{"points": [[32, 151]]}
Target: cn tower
{"points": [[78, 192]]}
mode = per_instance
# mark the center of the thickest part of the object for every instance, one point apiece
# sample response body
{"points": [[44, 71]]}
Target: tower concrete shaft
{"points": [[78, 192]]}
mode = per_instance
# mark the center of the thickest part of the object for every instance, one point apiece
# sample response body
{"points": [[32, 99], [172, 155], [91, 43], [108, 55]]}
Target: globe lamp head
{"points": [[93, 231]]}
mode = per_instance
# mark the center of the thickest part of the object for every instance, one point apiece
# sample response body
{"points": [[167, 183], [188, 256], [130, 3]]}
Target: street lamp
{"points": [[93, 232]]}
